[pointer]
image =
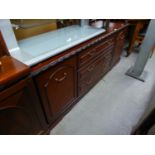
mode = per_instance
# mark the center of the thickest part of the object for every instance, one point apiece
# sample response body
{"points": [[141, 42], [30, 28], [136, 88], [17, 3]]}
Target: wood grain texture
{"points": [[11, 70], [65, 78], [119, 43], [32, 27], [57, 87], [19, 112], [135, 27], [60, 82]]}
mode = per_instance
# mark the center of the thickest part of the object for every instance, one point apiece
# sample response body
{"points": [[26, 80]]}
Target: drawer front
{"points": [[121, 36], [103, 45], [102, 60], [85, 86], [90, 54], [89, 76], [119, 46], [86, 55]]}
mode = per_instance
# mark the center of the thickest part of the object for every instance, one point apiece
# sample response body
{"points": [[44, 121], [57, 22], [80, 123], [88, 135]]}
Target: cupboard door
{"points": [[17, 111], [57, 87]]}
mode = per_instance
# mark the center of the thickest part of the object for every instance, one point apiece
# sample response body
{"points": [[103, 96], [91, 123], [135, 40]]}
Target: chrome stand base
{"points": [[142, 77]]}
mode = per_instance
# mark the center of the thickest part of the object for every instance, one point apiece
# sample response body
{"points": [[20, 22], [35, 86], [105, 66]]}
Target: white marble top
{"points": [[38, 48]]}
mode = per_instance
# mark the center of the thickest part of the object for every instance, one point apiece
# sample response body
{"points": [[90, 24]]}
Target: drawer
{"points": [[88, 71], [86, 83], [90, 54], [89, 76], [85, 86], [103, 61], [86, 55], [103, 45], [122, 35]]}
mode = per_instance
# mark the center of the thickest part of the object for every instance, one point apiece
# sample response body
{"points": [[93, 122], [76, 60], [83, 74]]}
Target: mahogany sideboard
{"points": [[20, 110], [37, 101]]}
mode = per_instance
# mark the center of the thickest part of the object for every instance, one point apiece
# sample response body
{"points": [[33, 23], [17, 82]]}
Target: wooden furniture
{"points": [[65, 78], [3, 47], [33, 100], [93, 63], [119, 43], [66, 22], [20, 110], [25, 28], [135, 28], [11, 71], [144, 127], [57, 87], [152, 50]]}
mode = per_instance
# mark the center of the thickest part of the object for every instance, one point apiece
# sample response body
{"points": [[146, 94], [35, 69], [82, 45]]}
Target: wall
{"points": [[8, 34]]}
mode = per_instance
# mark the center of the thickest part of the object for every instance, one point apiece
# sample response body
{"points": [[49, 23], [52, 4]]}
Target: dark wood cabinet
{"points": [[18, 109], [93, 63], [32, 105], [120, 40], [57, 87], [90, 54], [62, 80]]}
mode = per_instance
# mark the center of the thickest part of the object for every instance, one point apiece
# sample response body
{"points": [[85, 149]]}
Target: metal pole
{"points": [[137, 71]]}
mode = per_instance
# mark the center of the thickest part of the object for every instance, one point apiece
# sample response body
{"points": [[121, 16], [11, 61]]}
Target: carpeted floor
{"points": [[113, 106]]}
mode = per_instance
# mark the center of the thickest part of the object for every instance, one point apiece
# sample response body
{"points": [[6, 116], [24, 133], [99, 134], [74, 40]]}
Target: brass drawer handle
{"points": [[91, 68], [121, 35], [105, 44], [110, 41], [61, 79], [91, 53], [89, 82]]}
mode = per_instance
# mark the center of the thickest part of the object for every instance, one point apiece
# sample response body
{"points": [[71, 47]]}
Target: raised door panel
{"points": [[57, 87], [17, 111]]}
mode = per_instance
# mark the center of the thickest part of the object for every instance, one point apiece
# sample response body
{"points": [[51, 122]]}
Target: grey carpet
{"points": [[113, 106]]}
